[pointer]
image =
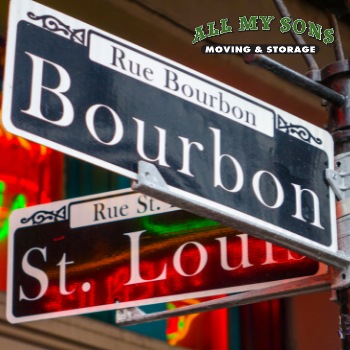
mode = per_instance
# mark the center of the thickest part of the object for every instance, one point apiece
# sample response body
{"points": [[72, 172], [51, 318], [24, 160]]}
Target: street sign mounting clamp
{"points": [[150, 182], [336, 181], [282, 290], [125, 315]]}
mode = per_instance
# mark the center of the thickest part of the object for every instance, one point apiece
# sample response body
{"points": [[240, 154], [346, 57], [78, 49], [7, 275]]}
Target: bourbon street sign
{"points": [[243, 162], [122, 249]]}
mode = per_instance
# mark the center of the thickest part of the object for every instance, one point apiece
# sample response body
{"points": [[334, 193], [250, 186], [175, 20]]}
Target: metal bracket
{"points": [[340, 183], [283, 290], [126, 315], [341, 277], [295, 78], [336, 181], [151, 183]]}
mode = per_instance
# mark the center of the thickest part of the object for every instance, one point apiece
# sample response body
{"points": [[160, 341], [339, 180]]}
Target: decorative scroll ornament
{"points": [[55, 25], [40, 216], [299, 130]]}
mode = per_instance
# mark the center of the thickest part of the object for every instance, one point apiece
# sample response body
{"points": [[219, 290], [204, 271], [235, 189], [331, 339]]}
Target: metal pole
{"points": [[335, 88], [309, 59], [313, 285], [339, 121], [336, 76], [295, 78], [338, 47]]}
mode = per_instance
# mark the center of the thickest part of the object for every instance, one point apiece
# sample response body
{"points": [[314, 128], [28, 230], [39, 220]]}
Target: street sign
{"points": [[241, 161], [122, 249]]}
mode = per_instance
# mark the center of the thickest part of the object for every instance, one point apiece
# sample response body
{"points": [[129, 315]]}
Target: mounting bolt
{"points": [[334, 176]]}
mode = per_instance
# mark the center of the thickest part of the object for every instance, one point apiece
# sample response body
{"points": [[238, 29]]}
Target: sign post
{"points": [[336, 77], [218, 151], [123, 249]]}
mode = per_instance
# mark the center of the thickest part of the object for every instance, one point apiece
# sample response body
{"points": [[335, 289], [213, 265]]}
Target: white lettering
{"points": [[298, 204], [256, 188], [36, 273], [217, 165], [269, 254], [202, 260], [135, 276], [186, 148], [141, 141], [62, 264], [36, 92], [90, 118], [223, 253]]}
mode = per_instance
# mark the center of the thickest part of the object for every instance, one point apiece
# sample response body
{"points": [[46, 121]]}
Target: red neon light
{"points": [[203, 331], [28, 170], [9, 179], [29, 184], [107, 265]]}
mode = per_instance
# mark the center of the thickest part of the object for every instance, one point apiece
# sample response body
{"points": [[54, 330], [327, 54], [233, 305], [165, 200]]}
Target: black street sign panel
{"points": [[87, 93], [123, 249]]}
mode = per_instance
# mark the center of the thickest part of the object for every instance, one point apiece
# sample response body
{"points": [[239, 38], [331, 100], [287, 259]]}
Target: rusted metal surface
{"points": [[343, 298], [336, 76]]}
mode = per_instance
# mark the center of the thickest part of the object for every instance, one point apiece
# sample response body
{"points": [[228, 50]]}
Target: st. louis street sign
{"points": [[123, 249], [87, 93]]}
